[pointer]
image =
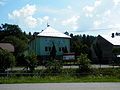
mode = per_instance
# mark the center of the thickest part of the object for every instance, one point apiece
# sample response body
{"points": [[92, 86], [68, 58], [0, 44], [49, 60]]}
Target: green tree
{"points": [[81, 44], [20, 45], [53, 66], [53, 52], [11, 30], [7, 60], [31, 61], [84, 63], [98, 51]]}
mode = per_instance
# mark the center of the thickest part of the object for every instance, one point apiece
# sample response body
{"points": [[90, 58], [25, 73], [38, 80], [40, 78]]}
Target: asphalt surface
{"points": [[61, 86]]}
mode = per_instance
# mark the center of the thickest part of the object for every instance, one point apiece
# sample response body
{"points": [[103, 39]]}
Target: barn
{"points": [[47, 40], [105, 47]]}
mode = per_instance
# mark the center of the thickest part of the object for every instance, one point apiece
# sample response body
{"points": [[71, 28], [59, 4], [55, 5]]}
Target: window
{"points": [[60, 49], [63, 49], [46, 49], [49, 48]]}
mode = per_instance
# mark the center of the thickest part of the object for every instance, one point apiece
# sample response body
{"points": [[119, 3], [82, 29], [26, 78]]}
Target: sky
{"points": [[92, 17]]}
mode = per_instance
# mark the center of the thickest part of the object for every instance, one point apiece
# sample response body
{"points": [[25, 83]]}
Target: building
{"points": [[49, 38], [105, 49], [7, 46]]}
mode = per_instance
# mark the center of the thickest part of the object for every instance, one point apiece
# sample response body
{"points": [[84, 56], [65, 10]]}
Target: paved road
{"points": [[61, 86]]}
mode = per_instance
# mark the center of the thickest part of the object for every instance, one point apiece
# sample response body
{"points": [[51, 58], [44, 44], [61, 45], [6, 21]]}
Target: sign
{"points": [[69, 56]]}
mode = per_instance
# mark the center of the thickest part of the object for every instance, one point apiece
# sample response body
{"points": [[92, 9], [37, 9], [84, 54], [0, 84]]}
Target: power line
{"points": [[95, 30]]}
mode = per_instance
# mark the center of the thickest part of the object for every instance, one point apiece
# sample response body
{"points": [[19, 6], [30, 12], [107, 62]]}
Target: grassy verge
{"points": [[66, 76], [58, 79]]}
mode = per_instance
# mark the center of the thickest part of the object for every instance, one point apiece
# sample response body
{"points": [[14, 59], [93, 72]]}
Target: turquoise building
{"points": [[43, 43]]}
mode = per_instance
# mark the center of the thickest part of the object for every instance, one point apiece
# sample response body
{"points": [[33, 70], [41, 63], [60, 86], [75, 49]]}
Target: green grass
{"points": [[58, 79], [66, 76]]}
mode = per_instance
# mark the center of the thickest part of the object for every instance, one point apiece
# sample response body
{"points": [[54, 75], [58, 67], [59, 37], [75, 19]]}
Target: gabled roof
{"points": [[102, 38], [51, 32], [114, 41], [7, 46]]}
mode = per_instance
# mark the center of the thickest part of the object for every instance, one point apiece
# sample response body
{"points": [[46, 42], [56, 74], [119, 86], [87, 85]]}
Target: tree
{"points": [[53, 66], [20, 45], [11, 30], [81, 44], [53, 52], [13, 34], [84, 63], [98, 52], [6, 60], [31, 61]]}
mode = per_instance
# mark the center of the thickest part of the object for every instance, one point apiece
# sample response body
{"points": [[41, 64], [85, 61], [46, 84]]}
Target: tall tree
{"points": [[98, 52], [53, 52]]}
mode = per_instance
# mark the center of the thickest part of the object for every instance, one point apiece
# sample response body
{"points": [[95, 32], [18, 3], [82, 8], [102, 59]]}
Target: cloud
{"points": [[97, 3], [89, 9], [25, 16], [71, 22], [2, 2], [108, 20], [31, 22], [69, 7], [116, 2], [46, 18], [97, 23]]}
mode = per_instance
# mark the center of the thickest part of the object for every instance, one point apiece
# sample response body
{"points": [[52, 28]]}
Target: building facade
{"points": [[104, 49], [43, 43]]}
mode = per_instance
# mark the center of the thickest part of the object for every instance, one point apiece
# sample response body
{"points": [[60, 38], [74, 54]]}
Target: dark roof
{"points": [[7, 46]]}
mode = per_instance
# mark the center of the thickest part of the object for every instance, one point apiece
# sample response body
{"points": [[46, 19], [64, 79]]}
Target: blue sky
{"points": [[91, 17]]}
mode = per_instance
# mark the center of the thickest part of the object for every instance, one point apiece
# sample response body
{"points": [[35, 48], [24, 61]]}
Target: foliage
{"points": [[13, 34], [53, 52], [98, 51], [31, 61], [11, 30], [81, 44], [84, 63], [104, 75], [53, 66], [116, 50], [6, 60], [20, 45]]}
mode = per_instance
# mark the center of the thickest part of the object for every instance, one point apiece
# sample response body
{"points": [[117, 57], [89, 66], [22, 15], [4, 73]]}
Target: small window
{"points": [[60, 49], [63, 49], [49, 48], [46, 49]]}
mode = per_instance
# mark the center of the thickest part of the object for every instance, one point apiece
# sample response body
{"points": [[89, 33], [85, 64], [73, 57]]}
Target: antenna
{"points": [[48, 24]]}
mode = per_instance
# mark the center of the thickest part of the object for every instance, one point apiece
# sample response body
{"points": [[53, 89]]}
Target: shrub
{"points": [[7, 60], [84, 63], [53, 67], [31, 61]]}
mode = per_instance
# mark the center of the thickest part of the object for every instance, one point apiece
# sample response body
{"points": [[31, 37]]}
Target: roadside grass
{"points": [[58, 79], [66, 76]]}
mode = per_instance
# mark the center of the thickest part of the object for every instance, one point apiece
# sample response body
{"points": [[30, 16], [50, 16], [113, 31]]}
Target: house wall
{"points": [[106, 48], [43, 45]]}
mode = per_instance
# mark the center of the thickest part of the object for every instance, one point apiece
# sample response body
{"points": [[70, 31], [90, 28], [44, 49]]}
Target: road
{"points": [[61, 86]]}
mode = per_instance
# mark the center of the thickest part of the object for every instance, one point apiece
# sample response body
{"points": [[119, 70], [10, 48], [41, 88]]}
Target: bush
{"points": [[7, 60], [53, 67], [84, 63], [31, 61]]}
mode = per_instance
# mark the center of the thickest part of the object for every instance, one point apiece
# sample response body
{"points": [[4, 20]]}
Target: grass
{"points": [[67, 76], [58, 79]]}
